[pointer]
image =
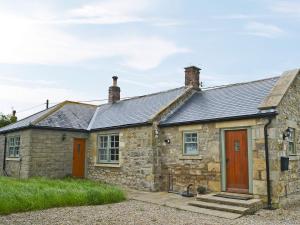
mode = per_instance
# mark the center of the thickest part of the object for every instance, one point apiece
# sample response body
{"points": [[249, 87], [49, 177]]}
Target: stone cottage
{"points": [[241, 138]]}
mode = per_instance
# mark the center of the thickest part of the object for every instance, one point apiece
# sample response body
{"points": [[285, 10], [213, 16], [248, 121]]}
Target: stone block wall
{"points": [[52, 152], [205, 169], [2, 147], [200, 170], [20, 167], [289, 116], [135, 168]]}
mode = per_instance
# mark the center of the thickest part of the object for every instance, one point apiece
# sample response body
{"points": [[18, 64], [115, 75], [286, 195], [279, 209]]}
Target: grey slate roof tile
{"points": [[224, 102], [26, 121], [133, 111], [71, 116]]}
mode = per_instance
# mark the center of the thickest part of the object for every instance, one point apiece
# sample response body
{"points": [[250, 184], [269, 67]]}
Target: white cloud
{"points": [[107, 12], [288, 7], [263, 30], [23, 40]]}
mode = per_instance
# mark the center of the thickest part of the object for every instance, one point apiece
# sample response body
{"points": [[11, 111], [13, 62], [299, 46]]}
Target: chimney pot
{"points": [[114, 91], [14, 112], [192, 77], [115, 81]]}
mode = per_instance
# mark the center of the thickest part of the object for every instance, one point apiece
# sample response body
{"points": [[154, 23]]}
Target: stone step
{"points": [[211, 198], [237, 195], [205, 211], [221, 207]]}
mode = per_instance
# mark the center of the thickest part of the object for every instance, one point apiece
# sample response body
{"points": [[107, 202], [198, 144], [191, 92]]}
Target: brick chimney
{"points": [[114, 91], [192, 77]]}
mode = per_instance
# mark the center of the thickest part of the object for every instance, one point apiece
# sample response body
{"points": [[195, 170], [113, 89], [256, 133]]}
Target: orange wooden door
{"points": [[236, 144], [78, 158]]}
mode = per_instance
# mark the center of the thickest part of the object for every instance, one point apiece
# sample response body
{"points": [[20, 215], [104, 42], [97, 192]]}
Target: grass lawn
{"points": [[42, 193]]}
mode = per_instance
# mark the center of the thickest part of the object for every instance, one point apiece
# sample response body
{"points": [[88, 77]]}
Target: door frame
{"points": [[223, 157], [85, 156]]}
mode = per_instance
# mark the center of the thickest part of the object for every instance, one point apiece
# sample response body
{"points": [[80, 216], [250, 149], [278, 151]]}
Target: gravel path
{"points": [[140, 213]]}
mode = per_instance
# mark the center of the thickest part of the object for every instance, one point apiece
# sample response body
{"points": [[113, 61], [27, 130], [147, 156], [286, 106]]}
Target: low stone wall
{"points": [[135, 169]]}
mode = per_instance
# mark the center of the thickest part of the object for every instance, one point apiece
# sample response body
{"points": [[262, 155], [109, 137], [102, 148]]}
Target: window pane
{"points": [[291, 148], [103, 154], [190, 137], [16, 153], [191, 148]]}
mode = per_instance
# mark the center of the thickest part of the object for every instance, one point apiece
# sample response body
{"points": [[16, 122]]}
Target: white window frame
{"points": [[108, 146], [13, 146], [184, 152], [292, 142]]}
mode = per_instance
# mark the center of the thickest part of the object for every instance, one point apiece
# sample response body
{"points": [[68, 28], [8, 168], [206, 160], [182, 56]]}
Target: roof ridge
{"points": [[78, 102], [142, 96], [239, 83]]}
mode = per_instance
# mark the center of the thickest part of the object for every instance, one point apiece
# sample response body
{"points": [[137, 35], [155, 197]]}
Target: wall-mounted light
{"points": [[168, 141], [63, 137], [287, 133]]}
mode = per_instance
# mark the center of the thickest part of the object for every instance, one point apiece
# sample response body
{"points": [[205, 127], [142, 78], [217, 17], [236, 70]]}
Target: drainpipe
{"points": [[268, 163], [4, 155]]}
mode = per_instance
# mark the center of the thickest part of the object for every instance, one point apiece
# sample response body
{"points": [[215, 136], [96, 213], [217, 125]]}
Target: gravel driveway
{"points": [[139, 213]]}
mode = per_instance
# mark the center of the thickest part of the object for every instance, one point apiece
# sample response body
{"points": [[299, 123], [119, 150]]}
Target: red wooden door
{"points": [[78, 158], [236, 144]]}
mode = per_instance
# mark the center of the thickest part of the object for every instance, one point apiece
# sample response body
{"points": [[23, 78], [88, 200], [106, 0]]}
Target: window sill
{"points": [[191, 157], [107, 165], [13, 159]]}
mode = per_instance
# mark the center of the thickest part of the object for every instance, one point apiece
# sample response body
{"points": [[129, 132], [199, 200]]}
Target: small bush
{"points": [[42, 193], [201, 190]]}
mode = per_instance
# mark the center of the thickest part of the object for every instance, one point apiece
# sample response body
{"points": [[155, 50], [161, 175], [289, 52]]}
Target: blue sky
{"points": [[70, 49]]}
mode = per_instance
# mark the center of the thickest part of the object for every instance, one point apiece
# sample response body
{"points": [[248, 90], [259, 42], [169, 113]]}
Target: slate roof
{"points": [[136, 110], [224, 102], [70, 116], [67, 115], [26, 121]]}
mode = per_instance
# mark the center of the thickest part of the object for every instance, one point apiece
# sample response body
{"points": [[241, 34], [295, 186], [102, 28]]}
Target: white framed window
{"points": [[190, 143], [108, 148], [14, 146], [291, 142]]}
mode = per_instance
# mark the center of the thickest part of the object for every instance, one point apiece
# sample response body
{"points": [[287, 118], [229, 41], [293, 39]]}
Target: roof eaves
{"points": [[121, 126]]}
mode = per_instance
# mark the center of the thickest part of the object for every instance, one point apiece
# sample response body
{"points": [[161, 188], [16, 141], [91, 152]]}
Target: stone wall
{"points": [[289, 116], [135, 169], [2, 147], [52, 152], [42, 153], [205, 169], [201, 170], [19, 167]]}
